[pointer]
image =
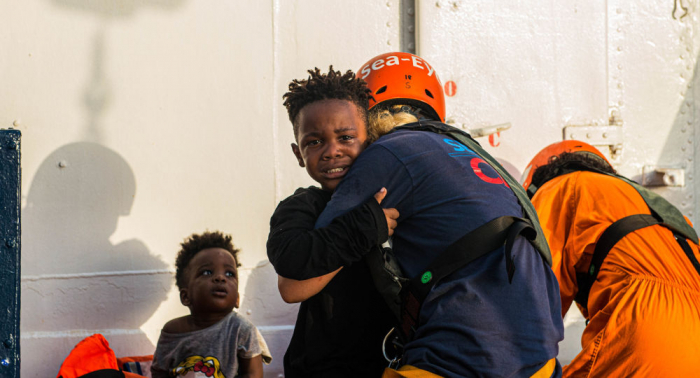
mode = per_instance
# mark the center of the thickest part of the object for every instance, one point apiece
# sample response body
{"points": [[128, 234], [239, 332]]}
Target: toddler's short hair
{"points": [[331, 86], [195, 243]]}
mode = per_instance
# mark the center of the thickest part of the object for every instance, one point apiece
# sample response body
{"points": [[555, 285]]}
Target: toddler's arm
{"points": [[250, 367]]}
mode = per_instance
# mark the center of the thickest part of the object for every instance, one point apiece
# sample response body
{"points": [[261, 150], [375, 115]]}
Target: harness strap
{"points": [[613, 234], [468, 248], [688, 251]]}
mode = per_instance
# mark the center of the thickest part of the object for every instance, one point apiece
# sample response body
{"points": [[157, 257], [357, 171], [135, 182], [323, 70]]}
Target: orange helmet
{"points": [[403, 78], [556, 149]]}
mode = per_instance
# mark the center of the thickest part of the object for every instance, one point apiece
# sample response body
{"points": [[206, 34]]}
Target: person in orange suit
{"points": [[627, 257]]}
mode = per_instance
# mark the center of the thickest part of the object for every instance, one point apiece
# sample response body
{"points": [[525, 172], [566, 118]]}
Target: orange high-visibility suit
{"points": [[644, 308]]}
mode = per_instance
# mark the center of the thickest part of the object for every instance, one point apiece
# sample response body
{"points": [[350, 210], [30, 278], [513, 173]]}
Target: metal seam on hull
{"points": [[118, 332]]}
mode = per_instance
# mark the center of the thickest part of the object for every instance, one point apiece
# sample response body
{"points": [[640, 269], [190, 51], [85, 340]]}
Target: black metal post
{"points": [[10, 184]]}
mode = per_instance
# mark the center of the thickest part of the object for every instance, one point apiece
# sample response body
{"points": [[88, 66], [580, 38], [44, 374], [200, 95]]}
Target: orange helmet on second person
{"points": [[556, 149], [403, 78]]}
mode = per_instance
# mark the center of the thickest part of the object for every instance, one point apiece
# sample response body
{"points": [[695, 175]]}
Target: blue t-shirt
{"points": [[473, 322]]}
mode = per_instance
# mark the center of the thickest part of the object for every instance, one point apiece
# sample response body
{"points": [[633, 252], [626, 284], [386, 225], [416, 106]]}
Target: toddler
{"points": [[213, 340]]}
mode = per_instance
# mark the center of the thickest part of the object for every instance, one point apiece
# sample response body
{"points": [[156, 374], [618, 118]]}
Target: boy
{"points": [[338, 332], [213, 339]]}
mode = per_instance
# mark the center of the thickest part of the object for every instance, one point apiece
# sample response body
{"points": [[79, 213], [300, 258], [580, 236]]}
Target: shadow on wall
{"points": [[119, 8], [75, 281], [262, 304]]}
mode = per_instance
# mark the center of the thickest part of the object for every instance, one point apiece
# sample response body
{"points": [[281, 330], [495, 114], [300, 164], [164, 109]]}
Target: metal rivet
{"points": [[62, 164], [437, 4], [619, 48], [605, 135], [17, 122], [411, 46], [7, 343], [10, 243], [388, 42], [388, 24], [411, 11], [411, 29], [12, 144]]}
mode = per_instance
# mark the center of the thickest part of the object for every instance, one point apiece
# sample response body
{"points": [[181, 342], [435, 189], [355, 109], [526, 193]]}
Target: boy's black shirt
{"points": [[338, 332]]}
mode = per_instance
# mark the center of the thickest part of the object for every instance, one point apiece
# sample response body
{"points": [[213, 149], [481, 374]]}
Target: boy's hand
{"points": [[391, 214]]}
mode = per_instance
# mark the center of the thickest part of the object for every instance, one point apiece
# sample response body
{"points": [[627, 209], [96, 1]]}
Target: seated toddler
{"points": [[213, 341]]}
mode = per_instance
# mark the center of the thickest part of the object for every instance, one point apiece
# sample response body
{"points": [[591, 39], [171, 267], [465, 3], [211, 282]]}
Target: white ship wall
{"points": [[145, 121]]}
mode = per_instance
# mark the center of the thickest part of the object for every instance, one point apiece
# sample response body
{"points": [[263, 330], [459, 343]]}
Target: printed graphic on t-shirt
{"points": [[477, 164], [199, 367]]}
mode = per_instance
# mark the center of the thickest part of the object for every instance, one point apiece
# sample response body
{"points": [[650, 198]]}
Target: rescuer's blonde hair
{"points": [[383, 120]]}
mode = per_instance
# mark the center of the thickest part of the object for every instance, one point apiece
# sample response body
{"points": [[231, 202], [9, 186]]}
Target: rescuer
{"points": [[481, 300], [627, 257]]}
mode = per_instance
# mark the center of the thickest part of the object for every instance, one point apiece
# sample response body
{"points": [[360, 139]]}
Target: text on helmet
{"points": [[395, 61]]}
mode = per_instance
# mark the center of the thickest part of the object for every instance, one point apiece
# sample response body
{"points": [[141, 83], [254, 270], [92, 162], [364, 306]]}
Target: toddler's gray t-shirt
{"points": [[210, 352]]}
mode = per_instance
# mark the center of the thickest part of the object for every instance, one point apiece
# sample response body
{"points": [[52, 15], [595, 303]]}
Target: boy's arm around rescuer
{"points": [[293, 291], [304, 256]]}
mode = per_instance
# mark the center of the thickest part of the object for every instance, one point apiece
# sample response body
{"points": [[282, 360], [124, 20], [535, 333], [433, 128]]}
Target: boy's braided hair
{"points": [[194, 244], [319, 86]]}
